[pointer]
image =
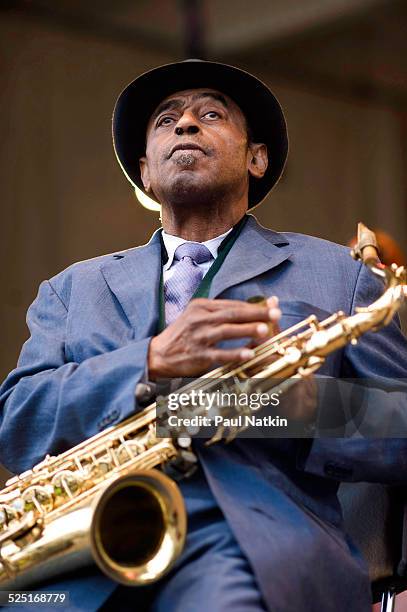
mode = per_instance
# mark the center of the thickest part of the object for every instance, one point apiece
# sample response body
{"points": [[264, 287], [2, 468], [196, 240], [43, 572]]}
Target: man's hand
{"points": [[187, 347]]}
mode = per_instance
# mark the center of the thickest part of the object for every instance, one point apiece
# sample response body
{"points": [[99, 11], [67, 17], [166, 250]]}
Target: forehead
{"points": [[187, 97]]}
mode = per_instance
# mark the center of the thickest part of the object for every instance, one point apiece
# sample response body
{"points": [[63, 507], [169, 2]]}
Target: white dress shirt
{"points": [[173, 242]]}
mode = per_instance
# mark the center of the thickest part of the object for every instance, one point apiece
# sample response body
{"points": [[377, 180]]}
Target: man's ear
{"points": [[145, 174], [257, 159]]}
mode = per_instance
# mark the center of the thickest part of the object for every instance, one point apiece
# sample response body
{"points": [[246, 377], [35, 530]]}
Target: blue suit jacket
{"points": [[90, 330]]}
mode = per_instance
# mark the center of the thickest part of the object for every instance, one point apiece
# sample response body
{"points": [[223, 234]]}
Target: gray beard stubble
{"points": [[185, 159]]}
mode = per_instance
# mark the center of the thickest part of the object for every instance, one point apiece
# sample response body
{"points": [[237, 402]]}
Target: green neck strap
{"points": [[204, 287]]}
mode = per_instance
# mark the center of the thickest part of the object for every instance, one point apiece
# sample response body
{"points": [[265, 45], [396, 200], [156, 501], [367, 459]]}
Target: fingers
{"points": [[274, 310], [217, 304], [211, 305], [228, 331], [222, 356], [241, 312], [214, 321]]}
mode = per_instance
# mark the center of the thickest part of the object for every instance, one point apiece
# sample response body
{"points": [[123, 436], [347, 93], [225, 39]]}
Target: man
{"points": [[208, 141]]}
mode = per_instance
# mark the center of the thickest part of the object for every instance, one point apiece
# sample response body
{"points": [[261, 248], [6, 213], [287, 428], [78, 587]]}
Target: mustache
{"points": [[182, 146]]}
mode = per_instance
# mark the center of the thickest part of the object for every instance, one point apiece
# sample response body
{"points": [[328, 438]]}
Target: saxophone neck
{"points": [[394, 277]]}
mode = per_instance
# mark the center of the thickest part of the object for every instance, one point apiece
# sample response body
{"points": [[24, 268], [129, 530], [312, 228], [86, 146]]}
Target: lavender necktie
{"points": [[185, 280]]}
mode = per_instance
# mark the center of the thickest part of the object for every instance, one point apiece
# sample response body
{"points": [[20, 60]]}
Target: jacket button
{"points": [[144, 393], [109, 418]]}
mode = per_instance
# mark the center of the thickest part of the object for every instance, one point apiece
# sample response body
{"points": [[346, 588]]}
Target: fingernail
{"points": [[272, 301], [275, 314], [262, 329], [246, 354]]}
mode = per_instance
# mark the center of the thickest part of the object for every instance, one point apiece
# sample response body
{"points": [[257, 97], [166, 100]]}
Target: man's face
{"points": [[196, 145]]}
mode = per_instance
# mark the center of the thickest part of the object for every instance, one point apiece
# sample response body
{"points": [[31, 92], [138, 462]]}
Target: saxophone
{"points": [[105, 500]]}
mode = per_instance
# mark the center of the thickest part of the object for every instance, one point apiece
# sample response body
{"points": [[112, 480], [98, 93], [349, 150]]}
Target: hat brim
{"points": [[141, 97]]}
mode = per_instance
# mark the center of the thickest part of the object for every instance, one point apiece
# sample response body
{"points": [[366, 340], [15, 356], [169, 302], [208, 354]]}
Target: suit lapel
{"points": [[255, 251], [134, 275], [134, 278]]}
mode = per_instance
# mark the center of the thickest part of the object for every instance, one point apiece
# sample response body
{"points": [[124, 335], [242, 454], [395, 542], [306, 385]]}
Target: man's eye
{"points": [[165, 121], [212, 115]]}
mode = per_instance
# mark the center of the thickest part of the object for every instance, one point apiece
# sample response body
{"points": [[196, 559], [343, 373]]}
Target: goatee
{"points": [[185, 159]]}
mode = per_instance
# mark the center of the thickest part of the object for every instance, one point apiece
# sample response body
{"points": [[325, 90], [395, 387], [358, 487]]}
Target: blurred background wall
{"points": [[339, 68]]}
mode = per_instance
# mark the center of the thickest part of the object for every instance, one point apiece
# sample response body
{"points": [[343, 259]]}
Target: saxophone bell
{"points": [[134, 530], [138, 528]]}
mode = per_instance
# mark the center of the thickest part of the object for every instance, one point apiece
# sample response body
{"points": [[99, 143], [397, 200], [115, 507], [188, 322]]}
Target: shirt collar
{"points": [[171, 244]]}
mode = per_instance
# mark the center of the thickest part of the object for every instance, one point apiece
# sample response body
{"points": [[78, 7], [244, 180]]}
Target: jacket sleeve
{"points": [[376, 450], [48, 404]]}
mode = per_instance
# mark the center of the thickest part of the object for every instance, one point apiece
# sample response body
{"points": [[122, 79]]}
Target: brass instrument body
{"points": [[56, 516], [59, 511]]}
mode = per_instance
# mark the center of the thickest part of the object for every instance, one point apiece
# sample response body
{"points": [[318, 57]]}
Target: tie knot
{"points": [[198, 252]]}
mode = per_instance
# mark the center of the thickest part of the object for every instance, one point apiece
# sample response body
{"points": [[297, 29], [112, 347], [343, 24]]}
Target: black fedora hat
{"points": [[141, 97]]}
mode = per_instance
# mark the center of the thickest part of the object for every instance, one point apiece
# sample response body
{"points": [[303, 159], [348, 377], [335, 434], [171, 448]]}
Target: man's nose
{"points": [[187, 124]]}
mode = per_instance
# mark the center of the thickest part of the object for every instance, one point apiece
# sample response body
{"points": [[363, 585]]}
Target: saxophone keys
{"points": [[22, 530], [217, 437], [38, 498], [99, 469], [44, 463], [312, 365], [317, 341], [66, 484], [184, 442], [7, 514], [129, 450], [314, 362], [292, 354], [233, 431]]}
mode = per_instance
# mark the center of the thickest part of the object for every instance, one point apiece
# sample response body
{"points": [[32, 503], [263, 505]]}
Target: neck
{"points": [[199, 225]]}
